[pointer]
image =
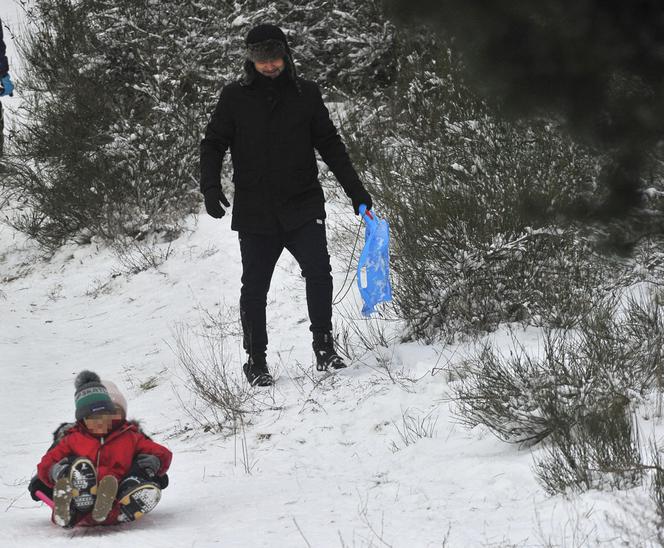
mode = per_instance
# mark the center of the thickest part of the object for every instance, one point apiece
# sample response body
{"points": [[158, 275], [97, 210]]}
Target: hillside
{"points": [[322, 460]]}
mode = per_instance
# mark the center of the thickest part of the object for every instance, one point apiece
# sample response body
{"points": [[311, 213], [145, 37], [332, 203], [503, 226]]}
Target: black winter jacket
{"points": [[4, 65], [272, 128]]}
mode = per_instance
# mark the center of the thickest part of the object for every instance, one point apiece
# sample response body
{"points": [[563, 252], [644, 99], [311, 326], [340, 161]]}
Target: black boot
{"points": [[256, 371], [74, 490], [326, 355], [137, 497]]}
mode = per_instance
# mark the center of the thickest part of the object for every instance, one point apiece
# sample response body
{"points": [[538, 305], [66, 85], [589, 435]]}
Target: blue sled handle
{"points": [[366, 213]]}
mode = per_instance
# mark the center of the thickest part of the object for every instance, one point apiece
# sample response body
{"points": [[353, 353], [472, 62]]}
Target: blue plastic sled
{"points": [[373, 268]]}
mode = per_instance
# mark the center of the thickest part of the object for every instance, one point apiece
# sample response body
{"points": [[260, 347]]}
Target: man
{"points": [[6, 85], [272, 121]]}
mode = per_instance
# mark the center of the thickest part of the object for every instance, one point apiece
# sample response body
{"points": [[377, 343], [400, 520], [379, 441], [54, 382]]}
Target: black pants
{"points": [[260, 253]]}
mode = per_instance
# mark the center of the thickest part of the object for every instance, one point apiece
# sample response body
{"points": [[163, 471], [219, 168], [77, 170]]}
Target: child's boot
{"points": [[74, 491], [62, 502], [137, 497], [105, 498], [83, 480]]}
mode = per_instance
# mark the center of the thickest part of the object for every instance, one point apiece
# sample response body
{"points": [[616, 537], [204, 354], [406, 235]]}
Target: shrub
{"points": [[472, 200], [576, 396], [221, 399], [600, 451], [117, 93]]}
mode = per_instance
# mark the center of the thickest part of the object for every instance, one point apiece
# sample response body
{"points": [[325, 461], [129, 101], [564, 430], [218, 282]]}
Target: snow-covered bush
{"points": [[472, 202], [218, 398], [600, 452], [117, 94], [105, 146], [577, 396]]}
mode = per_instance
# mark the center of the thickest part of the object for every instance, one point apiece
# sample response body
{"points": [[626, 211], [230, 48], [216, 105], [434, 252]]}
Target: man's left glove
{"points": [[149, 463], [214, 197], [361, 196], [7, 85]]}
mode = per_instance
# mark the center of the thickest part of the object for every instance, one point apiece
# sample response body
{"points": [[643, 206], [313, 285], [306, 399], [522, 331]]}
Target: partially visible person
{"points": [[6, 84], [102, 469]]}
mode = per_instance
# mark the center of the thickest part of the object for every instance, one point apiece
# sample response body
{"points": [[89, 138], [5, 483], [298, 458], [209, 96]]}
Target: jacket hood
{"points": [[268, 33]]}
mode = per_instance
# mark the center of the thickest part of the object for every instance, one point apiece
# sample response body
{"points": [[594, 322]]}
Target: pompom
{"points": [[84, 377]]}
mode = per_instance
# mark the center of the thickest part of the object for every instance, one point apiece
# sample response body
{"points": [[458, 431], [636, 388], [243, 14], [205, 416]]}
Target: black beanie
{"points": [[266, 42], [91, 396], [261, 33]]}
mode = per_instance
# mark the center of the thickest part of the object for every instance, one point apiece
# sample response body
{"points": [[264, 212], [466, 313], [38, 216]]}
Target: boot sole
{"points": [[263, 380], [140, 501], [63, 492], [106, 492], [83, 488], [331, 367]]}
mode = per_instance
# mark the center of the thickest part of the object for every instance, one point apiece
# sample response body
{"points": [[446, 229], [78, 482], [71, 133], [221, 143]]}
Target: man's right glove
{"points": [[7, 85], [214, 197]]}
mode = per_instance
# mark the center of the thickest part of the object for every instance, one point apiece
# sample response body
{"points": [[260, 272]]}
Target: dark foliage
{"points": [[459, 185], [596, 65]]}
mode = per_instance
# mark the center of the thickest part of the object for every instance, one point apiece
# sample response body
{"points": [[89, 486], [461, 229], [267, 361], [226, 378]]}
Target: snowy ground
{"points": [[323, 463]]}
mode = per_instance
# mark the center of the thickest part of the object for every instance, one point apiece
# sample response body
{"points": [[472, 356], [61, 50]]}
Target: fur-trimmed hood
{"points": [[266, 34]]}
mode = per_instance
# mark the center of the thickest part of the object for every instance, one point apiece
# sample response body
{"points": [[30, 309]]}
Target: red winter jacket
{"points": [[111, 454]]}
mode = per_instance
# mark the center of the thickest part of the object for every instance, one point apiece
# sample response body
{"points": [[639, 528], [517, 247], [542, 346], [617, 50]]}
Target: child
{"points": [[102, 470]]}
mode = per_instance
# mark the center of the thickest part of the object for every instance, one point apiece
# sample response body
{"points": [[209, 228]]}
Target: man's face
{"points": [[271, 68]]}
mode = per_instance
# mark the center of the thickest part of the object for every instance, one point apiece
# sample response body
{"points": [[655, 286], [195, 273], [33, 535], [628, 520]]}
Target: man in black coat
{"points": [[273, 121]]}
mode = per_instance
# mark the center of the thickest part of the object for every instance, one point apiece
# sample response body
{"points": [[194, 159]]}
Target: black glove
{"points": [[38, 485], [361, 196], [59, 469], [149, 463], [161, 481], [214, 197]]}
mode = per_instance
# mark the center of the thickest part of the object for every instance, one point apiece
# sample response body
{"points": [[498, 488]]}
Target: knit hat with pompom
{"points": [[91, 396]]}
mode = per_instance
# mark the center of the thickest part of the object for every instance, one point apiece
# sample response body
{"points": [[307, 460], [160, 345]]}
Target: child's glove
{"points": [[149, 463], [59, 468], [7, 85], [38, 485]]}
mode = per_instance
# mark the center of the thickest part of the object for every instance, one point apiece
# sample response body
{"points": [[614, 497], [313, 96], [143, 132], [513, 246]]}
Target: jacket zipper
{"points": [[101, 444]]}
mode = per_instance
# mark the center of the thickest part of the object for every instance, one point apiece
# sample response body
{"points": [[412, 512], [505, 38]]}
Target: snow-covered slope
{"points": [[320, 463]]}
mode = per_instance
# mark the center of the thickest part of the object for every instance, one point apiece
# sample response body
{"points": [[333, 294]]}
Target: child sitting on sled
{"points": [[101, 470]]}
